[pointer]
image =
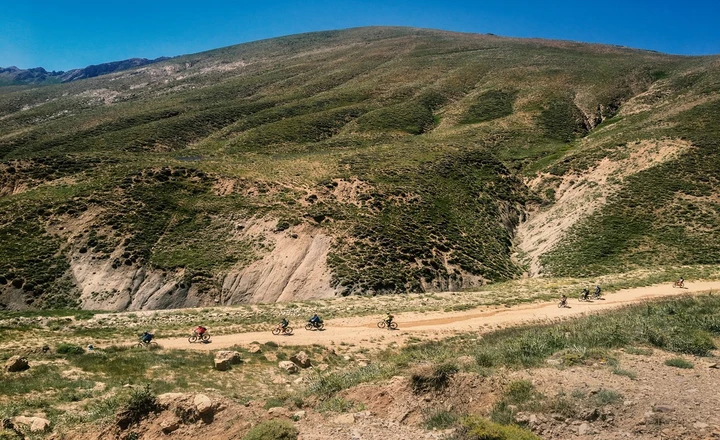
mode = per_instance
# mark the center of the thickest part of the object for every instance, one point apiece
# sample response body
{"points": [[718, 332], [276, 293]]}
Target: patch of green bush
{"points": [[477, 428], [276, 429], [679, 363], [69, 349], [493, 104]]}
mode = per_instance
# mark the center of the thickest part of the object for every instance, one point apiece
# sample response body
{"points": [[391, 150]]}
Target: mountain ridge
{"points": [[364, 161]]}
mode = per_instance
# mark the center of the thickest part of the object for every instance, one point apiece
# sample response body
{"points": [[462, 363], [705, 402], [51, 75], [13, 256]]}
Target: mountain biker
{"points": [[682, 281], [147, 337], [315, 320], [585, 295], [284, 323], [563, 299], [597, 291], [389, 318], [200, 330]]}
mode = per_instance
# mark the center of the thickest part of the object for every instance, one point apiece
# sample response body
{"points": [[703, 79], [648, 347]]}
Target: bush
{"points": [[69, 349], [476, 428], [678, 363], [435, 379], [439, 419], [141, 402], [273, 430]]}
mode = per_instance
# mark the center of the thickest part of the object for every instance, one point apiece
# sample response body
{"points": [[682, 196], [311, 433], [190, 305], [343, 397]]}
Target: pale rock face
{"points": [[288, 366], [294, 269]]}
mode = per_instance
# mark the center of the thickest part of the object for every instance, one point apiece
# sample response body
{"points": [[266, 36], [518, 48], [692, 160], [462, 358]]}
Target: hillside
{"points": [[364, 161]]}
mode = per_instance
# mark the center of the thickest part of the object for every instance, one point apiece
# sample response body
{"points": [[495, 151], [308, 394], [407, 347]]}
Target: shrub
{"points": [[435, 379], [439, 419], [69, 349], [476, 428], [142, 401], [273, 430], [678, 363]]}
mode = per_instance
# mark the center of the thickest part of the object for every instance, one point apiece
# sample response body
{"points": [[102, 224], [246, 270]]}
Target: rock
{"points": [[170, 424], [584, 429], [222, 364], [203, 404], [589, 414], [344, 419], [299, 415], [700, 425], [279, 411], [301, 359], [663, 408], [16, 363], [323, 367], [224, 359], [554, 361], [255, 349], [36, 424], [288, 366]]}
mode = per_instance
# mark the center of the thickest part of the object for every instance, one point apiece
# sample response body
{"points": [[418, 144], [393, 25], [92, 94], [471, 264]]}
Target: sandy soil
{"points": [[362, 331]]}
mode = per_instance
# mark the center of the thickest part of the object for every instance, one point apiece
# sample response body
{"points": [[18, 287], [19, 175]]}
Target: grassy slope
{"points": [[439, 125]]}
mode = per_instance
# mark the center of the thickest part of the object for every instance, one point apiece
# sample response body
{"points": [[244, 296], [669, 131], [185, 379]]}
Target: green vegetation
{"points": [[163, 168], [477, 428], [679, 363], [276, 429]]}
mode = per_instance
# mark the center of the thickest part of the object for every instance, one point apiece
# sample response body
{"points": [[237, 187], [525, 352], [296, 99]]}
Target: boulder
{"points": [[16, 363], [345, 419], [170, 424], [203, 404], [167, 399], [222, 364], [288, 366], [301, 359], [36, 424], [229, 357], [255, 349], [279, 411]]}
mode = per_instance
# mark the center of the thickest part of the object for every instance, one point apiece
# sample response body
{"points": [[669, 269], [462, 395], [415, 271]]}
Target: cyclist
{"points": [[315, 320], [585, 295], [199, 330], [598, 291], [563, 300], [284, 323], [388, 318], [147, 337]]}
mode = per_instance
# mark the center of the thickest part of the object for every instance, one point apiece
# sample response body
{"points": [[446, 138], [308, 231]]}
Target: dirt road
{"points": [[363, 331]]}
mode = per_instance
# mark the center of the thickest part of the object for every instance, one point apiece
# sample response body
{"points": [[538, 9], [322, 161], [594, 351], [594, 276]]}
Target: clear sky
{"points": [[60, 35]]}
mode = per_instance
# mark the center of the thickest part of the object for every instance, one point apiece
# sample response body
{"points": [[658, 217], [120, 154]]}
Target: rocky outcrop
{"points": [[294, 269], [225, 359], [16, 363], [288, 366]]}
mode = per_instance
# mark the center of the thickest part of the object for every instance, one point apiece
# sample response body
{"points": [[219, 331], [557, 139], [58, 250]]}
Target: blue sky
{"points": [[64, 35]]}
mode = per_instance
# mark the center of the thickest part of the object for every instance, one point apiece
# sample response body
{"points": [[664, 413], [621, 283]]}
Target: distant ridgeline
{"points": [[366, 161], [37, 75]]}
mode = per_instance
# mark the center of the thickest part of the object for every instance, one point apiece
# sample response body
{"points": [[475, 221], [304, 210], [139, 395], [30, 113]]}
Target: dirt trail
{"points": [[363, 332]]}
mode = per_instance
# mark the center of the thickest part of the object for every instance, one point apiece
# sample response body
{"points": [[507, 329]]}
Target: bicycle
{"points": [[150, 345], [392, 325], [314, 325], [196, 337], [280, 330], [679, 283]]}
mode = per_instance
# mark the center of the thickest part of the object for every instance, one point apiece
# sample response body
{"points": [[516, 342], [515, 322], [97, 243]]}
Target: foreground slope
{"points": [[372, 160]]}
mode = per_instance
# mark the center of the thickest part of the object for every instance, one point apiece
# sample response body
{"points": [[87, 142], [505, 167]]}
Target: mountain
{"points": [[365, 161], [38, 75]]}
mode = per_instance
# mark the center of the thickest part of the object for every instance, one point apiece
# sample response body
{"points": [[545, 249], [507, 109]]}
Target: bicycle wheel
{"points": [[276, 331], [205, 337], [192, 339], [381, 324], [288, 330], [309, 326], [321, 326], [393, 326]]}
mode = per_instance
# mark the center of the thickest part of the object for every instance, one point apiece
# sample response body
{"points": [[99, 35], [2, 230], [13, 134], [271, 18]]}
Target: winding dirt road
{"points": [[363, 331]]}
